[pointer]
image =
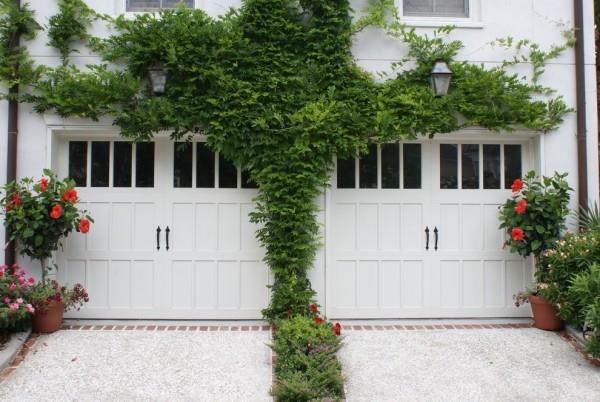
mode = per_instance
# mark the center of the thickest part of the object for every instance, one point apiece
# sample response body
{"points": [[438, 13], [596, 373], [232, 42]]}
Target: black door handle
{"points": [[158, 238], [426, 238], [435, 232], [167, 231]]}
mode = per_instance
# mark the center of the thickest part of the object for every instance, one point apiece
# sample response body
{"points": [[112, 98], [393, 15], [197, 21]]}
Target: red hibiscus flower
{"points": [[70, 196], [84, 225], [337, 329], [521, 207], [314, 308], [43, 184], [56, 212], [517, 185], [15, 201], [518, 234], [318, 320]]}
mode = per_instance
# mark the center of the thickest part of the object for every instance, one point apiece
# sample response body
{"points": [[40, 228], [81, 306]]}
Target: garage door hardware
{"points": [[158, 238], [435, 232], [426, 238], [167, 231]]}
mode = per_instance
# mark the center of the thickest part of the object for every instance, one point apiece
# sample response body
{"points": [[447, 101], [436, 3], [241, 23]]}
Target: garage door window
{"points": [[155, 5], [436, 8], [463, 160], [388, 166], [100, 156], [211, 170]]}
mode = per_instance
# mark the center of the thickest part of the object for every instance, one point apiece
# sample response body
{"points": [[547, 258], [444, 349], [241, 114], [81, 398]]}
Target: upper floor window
{"points": [[436, 8], [155, 5]]}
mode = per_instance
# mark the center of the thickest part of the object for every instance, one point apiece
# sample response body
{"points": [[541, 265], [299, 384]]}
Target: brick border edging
{"points": [[157, 328], [432, 327], [574, 342], [21, 354]]}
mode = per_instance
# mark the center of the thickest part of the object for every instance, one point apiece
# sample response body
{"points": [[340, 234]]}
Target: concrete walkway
{"points": [[136, 365], [509, 364]]}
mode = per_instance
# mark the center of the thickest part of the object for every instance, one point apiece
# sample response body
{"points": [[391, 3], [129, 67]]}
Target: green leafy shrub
{"points": [[583, 305], [535, 215], [69, 25], [307, 368], [589, 218], [572, 255]]}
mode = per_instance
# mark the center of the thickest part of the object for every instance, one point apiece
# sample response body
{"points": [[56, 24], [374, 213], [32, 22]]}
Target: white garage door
{"points": [[413, 232], [171, 238]]}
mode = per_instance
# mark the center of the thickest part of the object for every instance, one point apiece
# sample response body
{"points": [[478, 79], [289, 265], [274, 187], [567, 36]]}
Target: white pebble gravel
{"points": [[465, 365], [144, 366]]}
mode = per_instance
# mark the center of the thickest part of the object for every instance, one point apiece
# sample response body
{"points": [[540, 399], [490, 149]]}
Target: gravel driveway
{"points": [[144, 365], [466, 365]]}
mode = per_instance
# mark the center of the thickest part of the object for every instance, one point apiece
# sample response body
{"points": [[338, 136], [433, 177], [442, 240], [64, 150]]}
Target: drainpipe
{"points": [[11, 144], [582, 178]]}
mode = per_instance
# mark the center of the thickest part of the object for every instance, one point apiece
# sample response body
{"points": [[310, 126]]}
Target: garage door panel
{"points": [[449, 226], [182, 285], [254, 276], [389, 226], [344, 226], [248, 236], [368, 223], [206, 222], [472, 285], [494, 284], [228, 285], [119, 284], [182, 231], [367, 284], [343, 284], [98, 237], [493, 236], [229, 227], [412, 227], [206, 282], [390, 273], [97, 283], [450, 284], [121, 224], [411, 284], [144, 228], [471, 227]]}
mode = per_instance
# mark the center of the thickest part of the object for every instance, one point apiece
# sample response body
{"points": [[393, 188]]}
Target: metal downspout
{"points": [[582, 175], [11, 144]]}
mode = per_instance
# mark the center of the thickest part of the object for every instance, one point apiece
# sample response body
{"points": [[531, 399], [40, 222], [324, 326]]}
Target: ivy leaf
{"points": [[27, 233], [536, 244], [38, 241], [540, 229]]}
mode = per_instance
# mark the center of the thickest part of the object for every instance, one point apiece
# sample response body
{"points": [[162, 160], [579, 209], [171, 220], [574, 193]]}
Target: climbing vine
{"points": [[275, 89]]}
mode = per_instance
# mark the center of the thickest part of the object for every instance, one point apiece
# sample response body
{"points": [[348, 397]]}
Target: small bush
{"points": [[15, 307], [572, 255], [583, 306], [307, 368]]}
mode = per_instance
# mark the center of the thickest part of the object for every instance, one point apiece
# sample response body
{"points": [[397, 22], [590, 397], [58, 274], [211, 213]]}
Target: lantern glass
{"points": [[441, 75], [158, 78]]}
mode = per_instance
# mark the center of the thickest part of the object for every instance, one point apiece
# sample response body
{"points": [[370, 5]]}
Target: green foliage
{"points": [[535, 215], [306, 367], [589, 218], [39, 215], [583, 297], [16, 68], [572, 255], [69, 25]]}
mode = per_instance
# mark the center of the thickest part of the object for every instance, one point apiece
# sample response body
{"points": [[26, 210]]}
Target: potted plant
{"points": [[534, 218], [38, 216], [50, 301]]}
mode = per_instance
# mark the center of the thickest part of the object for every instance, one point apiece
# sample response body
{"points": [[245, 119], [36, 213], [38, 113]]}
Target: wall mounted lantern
{"points": [[158, 77], [440, 78]]}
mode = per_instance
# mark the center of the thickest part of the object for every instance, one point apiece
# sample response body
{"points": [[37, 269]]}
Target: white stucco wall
{"points": [[537, 20]]}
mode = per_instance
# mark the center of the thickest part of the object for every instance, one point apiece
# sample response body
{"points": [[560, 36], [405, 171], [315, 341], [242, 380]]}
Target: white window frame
{"points": [[472, 21], [121, 8]]}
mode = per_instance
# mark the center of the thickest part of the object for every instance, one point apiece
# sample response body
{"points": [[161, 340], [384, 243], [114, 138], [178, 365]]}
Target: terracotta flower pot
{"points": [[545, 314], [48, 321]]}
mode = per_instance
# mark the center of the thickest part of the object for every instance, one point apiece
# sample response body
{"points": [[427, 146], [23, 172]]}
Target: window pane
{"points": [[412, 165], [227, 174], [78, 162], [144, 164], [143, 5], [346, 173], [150, 5], [436, 8], [100, 163], [246, 181], [367, 166], [174, 3], [491, 166], [122, 164], [205, 166], [512, 164], [182, 164], [470, 166], [390, 166], [448, 166]]}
